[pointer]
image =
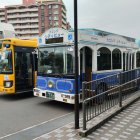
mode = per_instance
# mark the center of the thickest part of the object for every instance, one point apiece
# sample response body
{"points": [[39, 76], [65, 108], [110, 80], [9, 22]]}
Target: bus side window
{"points": [[17, 64], [35, 62]]}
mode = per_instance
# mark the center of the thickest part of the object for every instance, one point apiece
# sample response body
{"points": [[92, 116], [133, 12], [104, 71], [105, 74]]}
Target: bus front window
{"points": [[6, 61], [56, 60]]}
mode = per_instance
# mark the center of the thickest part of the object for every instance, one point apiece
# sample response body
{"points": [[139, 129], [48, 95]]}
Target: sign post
{"points": [[76, 66]]}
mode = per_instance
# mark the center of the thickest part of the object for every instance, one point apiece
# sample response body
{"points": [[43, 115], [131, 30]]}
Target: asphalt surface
{"points": [[23, 111]]}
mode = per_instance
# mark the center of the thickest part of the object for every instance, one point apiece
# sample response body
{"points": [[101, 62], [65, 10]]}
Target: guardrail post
{"points": [[83, 91], [84, 106], [84, 115], [137, 79], [120, 90]]}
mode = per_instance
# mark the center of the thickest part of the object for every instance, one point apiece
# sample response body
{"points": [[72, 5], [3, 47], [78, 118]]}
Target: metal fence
{"points": [[102, 94]]}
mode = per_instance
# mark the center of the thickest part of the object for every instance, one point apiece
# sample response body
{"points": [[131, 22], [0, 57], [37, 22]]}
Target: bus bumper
{"points": [[6, 90], [62, 97]]}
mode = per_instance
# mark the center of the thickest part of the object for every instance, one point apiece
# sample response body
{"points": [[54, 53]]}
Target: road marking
{"points": [[33, 126]]}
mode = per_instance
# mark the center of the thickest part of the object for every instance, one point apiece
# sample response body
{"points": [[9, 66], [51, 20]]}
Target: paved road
{"points": [[124, 126], [18, 112]]}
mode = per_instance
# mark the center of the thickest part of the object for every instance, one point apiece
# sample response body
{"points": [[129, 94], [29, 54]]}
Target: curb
{"points": [[110, 114]]}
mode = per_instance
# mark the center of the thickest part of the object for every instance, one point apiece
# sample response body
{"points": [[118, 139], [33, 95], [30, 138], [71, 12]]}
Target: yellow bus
{"points": [[17, 65]]}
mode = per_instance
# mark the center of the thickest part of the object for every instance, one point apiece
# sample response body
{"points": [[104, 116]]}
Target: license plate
{"points": [[50, 95]]}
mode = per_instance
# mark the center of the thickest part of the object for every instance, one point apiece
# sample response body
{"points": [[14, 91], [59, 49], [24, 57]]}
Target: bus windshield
{"points": [[1, 44], [56, 60], [6, 61]]}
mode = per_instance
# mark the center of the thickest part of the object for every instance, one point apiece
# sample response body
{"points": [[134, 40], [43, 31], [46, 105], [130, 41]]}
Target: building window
{"points": [[42, 7], [42, 24], [55, 6], [56, 12], [56, 18], [104, 59], [50, 18], [116, 59], [42, 30], [50, 23], [50, 6], [56, 24], [42, 12], [50, 12], [42, 18]]}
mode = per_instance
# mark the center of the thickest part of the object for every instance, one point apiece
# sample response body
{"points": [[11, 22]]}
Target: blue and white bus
{"points": [[100, 54]]}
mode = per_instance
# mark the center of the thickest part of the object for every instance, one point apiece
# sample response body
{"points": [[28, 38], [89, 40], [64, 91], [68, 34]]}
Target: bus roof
{"points": [[20, 42], [86, 36]]}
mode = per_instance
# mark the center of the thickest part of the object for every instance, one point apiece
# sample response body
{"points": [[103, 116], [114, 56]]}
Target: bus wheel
{"points": [[101, 88]]}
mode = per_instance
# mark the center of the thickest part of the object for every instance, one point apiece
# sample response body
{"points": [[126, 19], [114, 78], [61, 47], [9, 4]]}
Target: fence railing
{"points": [[102, 94]]}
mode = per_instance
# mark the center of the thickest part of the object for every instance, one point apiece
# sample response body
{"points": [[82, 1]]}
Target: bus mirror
{"points": [[7, 45]]}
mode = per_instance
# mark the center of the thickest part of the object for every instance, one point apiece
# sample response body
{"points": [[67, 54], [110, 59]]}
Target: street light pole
{"points": [[76, 66]]}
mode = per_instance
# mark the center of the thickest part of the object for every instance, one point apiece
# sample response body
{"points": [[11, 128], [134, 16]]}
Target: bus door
{"points": [[86, 63], [23, 71]]}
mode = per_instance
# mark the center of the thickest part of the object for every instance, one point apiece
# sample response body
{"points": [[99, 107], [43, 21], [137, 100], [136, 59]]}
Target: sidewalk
{"points": [[125, 125]]}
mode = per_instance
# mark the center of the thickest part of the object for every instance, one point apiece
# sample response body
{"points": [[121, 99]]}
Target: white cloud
{"points": [[118, 16]]}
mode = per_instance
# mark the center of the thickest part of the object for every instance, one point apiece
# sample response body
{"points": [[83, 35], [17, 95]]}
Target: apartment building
{"points": [[33, 17]]}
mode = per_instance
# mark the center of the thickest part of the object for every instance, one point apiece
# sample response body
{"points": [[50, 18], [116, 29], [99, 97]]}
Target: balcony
{"points": [[34, 32], [2, 14], [28, 37], [63, 10], [28, 31], [64, 21], [2, 18], [12, 21], [22, 15], [64, 16], [12, 16], [26, 26], [64, 26], [22, 10], [24, 21]]}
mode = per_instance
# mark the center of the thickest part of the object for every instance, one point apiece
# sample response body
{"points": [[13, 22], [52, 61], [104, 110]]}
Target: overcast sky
{"points": [[117, 16]]}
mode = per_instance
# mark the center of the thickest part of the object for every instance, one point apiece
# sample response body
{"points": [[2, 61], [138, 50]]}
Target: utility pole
{"points": [[76, 66]]}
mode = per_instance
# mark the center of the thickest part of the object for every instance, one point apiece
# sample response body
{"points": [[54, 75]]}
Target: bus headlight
{"points": [[8, 84], [50, 84]]}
